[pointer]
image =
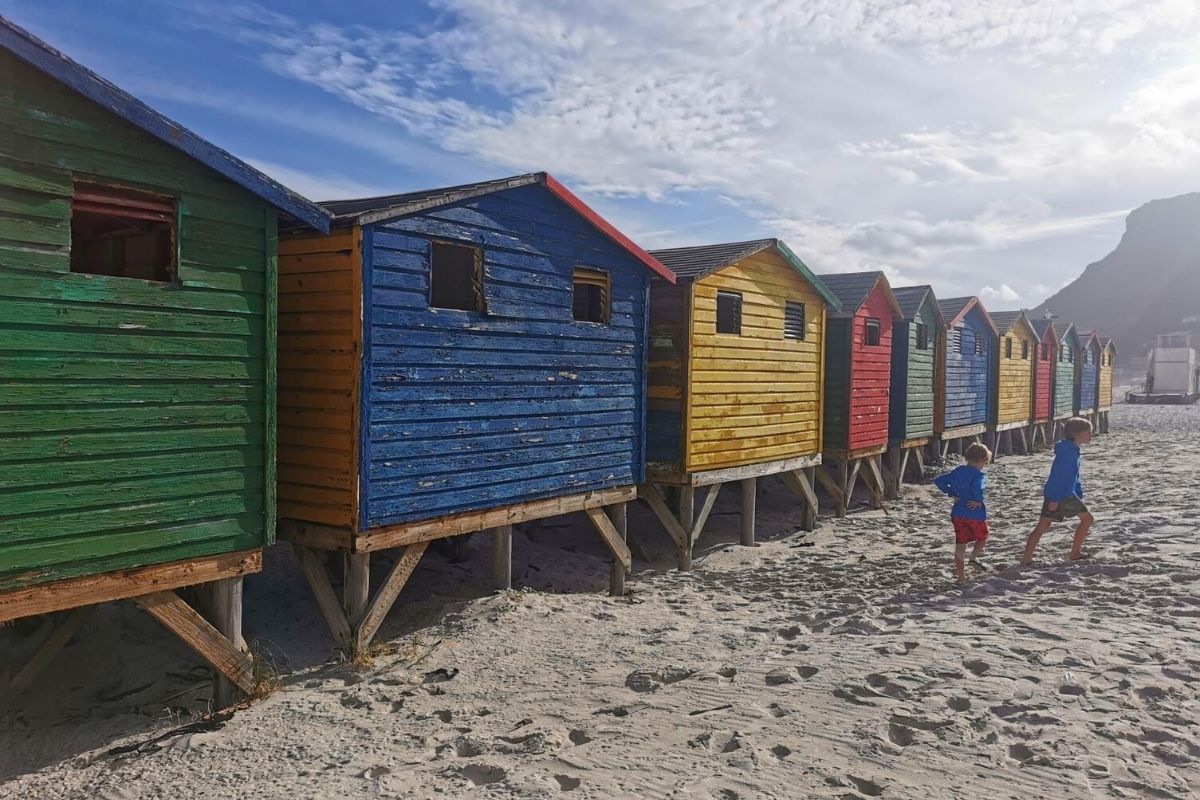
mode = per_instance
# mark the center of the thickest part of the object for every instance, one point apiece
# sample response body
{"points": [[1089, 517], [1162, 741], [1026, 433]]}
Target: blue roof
{"points": [[45, 58]]}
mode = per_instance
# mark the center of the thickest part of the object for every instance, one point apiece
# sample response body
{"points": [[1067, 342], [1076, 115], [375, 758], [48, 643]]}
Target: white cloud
{"points": [[317, 185], [1005, 294]]}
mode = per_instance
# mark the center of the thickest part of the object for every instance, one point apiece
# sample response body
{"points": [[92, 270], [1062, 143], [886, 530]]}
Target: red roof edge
{"points": [[975, 301], [605, 227]]}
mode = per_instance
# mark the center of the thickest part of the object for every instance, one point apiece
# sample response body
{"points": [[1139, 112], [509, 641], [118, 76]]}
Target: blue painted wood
{"points": [[42, 56], [466, 411], [368, 253], [1089, 376], [968, 395]]}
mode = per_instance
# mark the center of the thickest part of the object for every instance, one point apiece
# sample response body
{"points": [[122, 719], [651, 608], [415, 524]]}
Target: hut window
{"points": [[456, 276], [873, 331], [793, 320], [958, 340], [922, 336], [729, 312], [122, 233], [1024, 350], [1070, 356], [978, 344], [1008, 347], [1045, 351], [591, 301]]}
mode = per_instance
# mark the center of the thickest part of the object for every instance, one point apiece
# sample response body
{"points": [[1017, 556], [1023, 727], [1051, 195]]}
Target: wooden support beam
{"points": [[389, 590], [687, 508], [800, 482], [502, 556], [611, 536], [919, 457], [749, 500], [649, 493], [851, 479], [314, 570], [227, 619], [44, 598], [59, 638], [1024, 441], [316, 536], [710, 499], [904, 456], [891, 473], [834, 488], [181, 619], [357, 588], [945, 449], [617, 514], [753, 470], [875, 483]]}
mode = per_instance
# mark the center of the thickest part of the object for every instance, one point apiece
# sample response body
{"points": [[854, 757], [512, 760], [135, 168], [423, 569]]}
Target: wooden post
{"points": [[617, 513], [687, 508], [59, 638], [749, 499], [894, 474], [227, 619], [178, 617], [502, 556], [357, 590]]}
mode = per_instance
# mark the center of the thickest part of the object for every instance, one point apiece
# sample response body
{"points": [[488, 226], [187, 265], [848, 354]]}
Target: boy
{"points": [[969, 515], [1064, 493]]}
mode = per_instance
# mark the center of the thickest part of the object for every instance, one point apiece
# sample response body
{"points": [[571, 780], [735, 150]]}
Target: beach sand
{"points": [[838, 664]]}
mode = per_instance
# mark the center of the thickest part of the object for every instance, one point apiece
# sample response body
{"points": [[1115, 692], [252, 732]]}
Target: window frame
{"points": [[590, 276], [875, 325], [788, 306], [980, 350], [922, 331], [123, 201], [1024, 349], [477, 278], [1008, 348], [735, 297]]}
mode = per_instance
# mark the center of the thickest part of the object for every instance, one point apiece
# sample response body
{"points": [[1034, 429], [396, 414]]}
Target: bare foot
{"points": [[1026, 562], [1078, 556]]}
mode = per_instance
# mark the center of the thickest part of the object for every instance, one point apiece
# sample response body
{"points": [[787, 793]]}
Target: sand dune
{"points": [[840, 664]]}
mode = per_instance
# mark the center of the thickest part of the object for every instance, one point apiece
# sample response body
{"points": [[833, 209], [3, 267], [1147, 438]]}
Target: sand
{"points": [[840, 664]]}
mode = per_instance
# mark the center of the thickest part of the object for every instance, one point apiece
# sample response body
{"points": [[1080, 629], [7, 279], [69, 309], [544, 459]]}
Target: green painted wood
{"points": [[137, 419], [270, 376], [918, 419]]}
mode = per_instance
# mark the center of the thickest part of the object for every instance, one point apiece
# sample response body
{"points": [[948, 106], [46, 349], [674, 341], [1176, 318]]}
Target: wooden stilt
{"points": [[610, 535], [801, 482], [687, 502], [658, 504], [749, 500], [945, 450], [893, 473], [59, 638], [182, 620], [502, 556], [385, 598], [875, 484], [851, 479], [919, 457], [1024, 441], [357, 589], [318, 580], [617, 514], [227, 619], [834, 488]]}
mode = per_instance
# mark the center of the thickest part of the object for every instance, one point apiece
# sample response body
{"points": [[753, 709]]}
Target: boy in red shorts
{"points": [[969, 515]]}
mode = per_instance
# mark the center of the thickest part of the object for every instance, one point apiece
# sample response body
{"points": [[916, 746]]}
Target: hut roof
{"points": [[1106, 342], [955, 308], [698, 261], [853, 288], [1044, 326], [1005, 320], [367, 210], [44, 58], [910, 299]]}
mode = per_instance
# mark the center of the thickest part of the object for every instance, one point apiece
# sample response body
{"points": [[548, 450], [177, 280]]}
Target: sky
{"points": [[987, 147]]}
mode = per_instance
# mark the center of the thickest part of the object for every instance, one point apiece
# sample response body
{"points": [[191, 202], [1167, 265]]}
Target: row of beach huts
{"points": [[195, 360]]}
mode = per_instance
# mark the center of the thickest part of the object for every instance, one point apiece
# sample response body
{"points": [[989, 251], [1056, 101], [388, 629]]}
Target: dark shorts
{"points": [[1067, 507], [969, 530]]}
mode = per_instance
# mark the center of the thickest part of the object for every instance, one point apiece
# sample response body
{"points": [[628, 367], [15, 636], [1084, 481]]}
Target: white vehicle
{"points": [[1173, 375]]}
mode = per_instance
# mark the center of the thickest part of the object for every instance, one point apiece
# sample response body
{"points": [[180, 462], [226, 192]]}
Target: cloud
{"points": [[1005, 294], [317, 185]]}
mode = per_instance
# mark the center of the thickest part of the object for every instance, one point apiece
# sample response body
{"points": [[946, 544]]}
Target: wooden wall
{"points": [[1014, 376], [320, 333], [912, 392], [1105, 369], [968, 379], [858, 378], [466, 410], [136, 418], [1064, 378], [1043, 378], [1087, 377], [666, 405], [755, 397]]}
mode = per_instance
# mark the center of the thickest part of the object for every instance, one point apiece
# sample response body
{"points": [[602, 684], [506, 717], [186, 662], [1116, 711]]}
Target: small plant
{"points": [[265, 671]]}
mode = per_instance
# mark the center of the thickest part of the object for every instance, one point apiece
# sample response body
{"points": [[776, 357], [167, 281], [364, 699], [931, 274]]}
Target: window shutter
{"points": [[793, 320]]}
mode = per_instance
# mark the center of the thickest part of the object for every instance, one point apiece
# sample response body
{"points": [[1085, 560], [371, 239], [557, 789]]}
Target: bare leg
{"points": [[976, 552], [960, 552], [1081, 532], [1043, 524]]}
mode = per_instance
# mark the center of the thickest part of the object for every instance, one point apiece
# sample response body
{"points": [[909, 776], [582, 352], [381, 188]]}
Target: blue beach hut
{"points": [[963, 383]]}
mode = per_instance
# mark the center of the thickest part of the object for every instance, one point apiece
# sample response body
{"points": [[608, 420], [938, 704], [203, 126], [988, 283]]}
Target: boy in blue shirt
{"points": [[969, 515], [1064, 493]]}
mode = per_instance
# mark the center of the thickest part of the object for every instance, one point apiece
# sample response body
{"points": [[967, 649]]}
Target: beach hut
{"points": [[1012, 366], [1087, 375], [1065, 386], [858, 366], [137, 411], [1104, 395], [914, 347], [735, 380], [455, 360], [963, 380], [1045, 371]]}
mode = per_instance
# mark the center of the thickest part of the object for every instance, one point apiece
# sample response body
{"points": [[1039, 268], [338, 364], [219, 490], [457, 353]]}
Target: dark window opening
{"points": [[958, 340], [122, 233], [793, 320], [729, 312], [456, 276], [591, 299], [1008, 347], [1024, 350], [978, 344], [873, 332], [922, 336], [1070, 356]]}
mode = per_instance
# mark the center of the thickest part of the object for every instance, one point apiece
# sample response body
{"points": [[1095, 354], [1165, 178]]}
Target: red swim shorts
{"points": [[969, 530]]}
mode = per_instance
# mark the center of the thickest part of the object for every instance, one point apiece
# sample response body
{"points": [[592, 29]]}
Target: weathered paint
{"points": [[1043, 376], [965, 381], [1087, 373], [136, 418], [669, 336], [1108, 355], [1064, 372], [753, 397], [1014, 372], [912, 388]]}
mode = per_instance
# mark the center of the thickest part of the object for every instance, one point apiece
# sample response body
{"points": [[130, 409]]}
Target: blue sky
{"points": [[984, 146]]}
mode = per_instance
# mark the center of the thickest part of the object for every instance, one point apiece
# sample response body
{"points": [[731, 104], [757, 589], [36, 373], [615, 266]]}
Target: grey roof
{"points": [[910, 299], [364, 210], [852, 289], [1105, 341], [701, 260], [1042, 326], [951, 307]]}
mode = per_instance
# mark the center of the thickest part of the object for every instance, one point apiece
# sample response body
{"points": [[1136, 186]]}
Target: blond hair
{"points": [[1075, 426], [976, 453]]}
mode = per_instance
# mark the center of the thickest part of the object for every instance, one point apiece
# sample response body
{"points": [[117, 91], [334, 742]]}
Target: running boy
{"points": [[969, 515], [1064, 493]]}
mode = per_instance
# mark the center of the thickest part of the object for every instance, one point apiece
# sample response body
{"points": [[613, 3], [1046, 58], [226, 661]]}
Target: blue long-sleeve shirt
{"points": [[1064, 473], [964, 483]]}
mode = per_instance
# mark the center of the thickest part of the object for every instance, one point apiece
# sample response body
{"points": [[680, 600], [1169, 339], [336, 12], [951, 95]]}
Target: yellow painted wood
{"points": [[1107, 358], [1015, 384], [754, 397], [319, 343]]}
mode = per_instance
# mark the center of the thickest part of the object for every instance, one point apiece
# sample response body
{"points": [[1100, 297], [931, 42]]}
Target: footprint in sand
{"points": [[959, 704], [866, 787], [566, 782], [578, 737], [781, 752], [977, 666], [483, 774], [652, 680]]}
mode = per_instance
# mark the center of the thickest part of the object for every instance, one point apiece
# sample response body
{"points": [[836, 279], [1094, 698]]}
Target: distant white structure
{"points": [[1173, 374]]}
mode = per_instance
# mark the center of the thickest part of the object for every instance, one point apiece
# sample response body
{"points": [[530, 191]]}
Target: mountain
{"points": [[1148, 285]]}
